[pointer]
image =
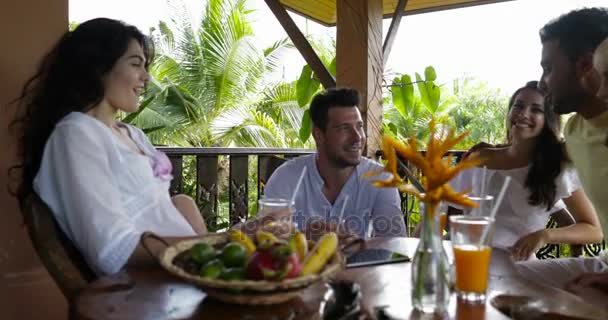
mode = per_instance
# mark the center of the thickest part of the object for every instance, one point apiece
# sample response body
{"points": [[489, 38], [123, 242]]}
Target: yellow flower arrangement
{"points": [[436, 171]]}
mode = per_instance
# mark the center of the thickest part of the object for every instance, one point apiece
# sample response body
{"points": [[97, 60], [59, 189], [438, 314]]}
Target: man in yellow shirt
{"points": [[572, 84]]}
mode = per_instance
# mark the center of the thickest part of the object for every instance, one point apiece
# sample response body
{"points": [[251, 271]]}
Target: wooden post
{"points": [[28, 29], [359, 61], [239, 201]]}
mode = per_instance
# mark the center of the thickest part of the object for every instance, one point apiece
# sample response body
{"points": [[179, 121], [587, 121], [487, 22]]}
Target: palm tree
{"points": [[211, 84]]}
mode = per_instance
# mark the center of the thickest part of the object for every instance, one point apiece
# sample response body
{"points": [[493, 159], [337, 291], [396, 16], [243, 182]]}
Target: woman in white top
{"points": [[103, 180], [542, 178]]}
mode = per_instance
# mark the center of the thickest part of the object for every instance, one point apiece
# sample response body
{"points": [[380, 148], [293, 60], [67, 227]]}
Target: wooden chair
{"points": [[57, 253]]}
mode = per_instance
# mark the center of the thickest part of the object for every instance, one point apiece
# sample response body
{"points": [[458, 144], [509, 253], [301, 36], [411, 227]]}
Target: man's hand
{"points": [[317, 228], [528, 245], [477, 147], [481, 145]]}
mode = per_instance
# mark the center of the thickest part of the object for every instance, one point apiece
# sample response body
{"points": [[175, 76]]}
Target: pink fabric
{"points": [[161, 165]]}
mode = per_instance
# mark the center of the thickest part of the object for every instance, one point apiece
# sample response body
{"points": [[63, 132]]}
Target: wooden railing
{"points": [[203, 178], [204, 175]]}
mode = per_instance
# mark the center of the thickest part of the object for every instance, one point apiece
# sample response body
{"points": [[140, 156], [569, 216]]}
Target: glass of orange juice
{"points": [[471, 238]]}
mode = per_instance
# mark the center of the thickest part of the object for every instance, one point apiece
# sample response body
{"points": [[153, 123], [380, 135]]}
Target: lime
{"points": [[234, 255], [203, 253], [233, 274], [212, 269]]}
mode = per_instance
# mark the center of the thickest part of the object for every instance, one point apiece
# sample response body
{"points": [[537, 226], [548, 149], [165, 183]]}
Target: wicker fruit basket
{"points": [[248, 292]]}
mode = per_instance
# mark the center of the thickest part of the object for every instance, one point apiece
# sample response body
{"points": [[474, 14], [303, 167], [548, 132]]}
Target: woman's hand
{"points": [[528, 245]]}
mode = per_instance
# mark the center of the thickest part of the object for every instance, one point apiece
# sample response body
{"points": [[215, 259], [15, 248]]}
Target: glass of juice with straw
{"points": [[471, 238]]}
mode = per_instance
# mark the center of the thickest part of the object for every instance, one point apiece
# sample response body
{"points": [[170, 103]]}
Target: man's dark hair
{"points": [[331, 98], [578, 32]]}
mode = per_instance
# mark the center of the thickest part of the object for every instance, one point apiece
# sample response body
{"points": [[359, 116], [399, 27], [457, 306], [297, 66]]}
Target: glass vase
{"points": [[431, 271]]}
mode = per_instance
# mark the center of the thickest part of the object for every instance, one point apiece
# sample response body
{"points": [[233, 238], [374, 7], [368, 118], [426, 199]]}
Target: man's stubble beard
{"points": [[340, 163]]}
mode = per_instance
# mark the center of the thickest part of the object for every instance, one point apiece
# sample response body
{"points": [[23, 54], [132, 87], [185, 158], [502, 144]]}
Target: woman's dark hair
{"points": [[549, 155], [70, 78]]}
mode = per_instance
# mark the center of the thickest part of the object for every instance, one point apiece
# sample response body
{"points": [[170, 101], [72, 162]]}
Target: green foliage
{"points": [[210, 82], [481, 111], [471, 106], [402, 92], [429, 92], [306, 86], [308, 83], [306, 127], [407, 112], [72, 25]]}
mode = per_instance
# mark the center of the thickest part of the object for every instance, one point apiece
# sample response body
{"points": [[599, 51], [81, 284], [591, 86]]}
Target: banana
{"points": [[320, 254], [239, 236], [265, 239], [300, 245]]}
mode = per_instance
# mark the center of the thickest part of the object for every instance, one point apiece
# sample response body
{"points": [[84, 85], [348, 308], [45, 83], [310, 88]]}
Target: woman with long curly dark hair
{"points": [[103, 180], [543, 180]]}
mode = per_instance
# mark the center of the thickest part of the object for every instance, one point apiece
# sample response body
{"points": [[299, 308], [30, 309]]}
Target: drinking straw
{"points": [[483, 183], [369, 231], [500, 196], [495, 209], [342, 212], [295, 191]]}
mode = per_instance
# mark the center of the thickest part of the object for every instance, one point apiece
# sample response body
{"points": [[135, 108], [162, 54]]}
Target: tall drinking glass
{"points": [[484, 205], [471, 238], [276, 214], [280, 208]]}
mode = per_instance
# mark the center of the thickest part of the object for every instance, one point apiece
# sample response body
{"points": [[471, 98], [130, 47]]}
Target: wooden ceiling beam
{"points": [[306, 8], [301, 43], [392, 30]]}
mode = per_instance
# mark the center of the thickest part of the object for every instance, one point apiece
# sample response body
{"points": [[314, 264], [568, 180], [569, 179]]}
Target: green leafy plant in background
{"points": [[210, 79], [412, 103], [480, 110], [308, 84]]}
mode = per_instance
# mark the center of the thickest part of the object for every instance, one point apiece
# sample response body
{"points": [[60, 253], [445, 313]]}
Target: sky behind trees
{"points": [[497, 43]]}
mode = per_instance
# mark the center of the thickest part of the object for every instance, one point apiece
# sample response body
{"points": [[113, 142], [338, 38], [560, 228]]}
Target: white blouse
{"points": [[515, 217], [103, 194]]}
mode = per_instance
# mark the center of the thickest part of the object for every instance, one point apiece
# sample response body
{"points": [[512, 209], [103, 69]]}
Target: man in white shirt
{"points": [[333, 181]]}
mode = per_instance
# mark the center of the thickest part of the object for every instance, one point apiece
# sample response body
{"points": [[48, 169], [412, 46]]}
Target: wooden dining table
{"points": [[156, 294]]}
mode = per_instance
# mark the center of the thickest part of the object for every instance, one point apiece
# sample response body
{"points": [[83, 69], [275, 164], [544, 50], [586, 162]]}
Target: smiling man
{"points": [[334, 173]]}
